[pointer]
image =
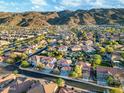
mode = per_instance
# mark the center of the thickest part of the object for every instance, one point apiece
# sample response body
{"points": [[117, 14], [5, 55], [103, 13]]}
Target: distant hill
{"points": [[79, 17]]}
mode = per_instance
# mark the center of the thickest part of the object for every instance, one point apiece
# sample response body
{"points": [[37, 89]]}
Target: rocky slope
{"points": [[79, 17]]}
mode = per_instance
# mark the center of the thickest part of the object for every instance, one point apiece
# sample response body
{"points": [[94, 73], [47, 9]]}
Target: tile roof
{"points": [[50, 88], [111, 70], [36, 89]]}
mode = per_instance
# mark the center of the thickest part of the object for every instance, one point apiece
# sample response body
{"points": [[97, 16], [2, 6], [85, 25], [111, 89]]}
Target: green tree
{"points": [[60, 82], [102, 50], [25, 64], [23, 56], [115, 43], [78, 69], [122, 54], [97, 59], [84, 35], [110, 79], [109, 49], [116, 90], [77, 72], [9, 61], [1, 53], [98, 45], [73, 74], [13, 56], [113, 82]]}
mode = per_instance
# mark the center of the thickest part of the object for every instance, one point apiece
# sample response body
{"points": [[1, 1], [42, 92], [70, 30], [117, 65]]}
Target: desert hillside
{"points": [[79, 17]]}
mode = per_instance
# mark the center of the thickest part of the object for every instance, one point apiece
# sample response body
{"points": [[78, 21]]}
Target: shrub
{"points": [[25, 64]]}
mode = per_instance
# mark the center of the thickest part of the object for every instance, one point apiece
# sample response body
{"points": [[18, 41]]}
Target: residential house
{"points": [[1, 58], [54, 36], [116, 56], [119, 46], [30, 51], [90, 35], [36, 88], [76, 48], [4, 42], [19, 84], [43, 42], [7, 77], [43, 88], [14, 84], [18, 52], [65, 64], [88, 43], [121, 77], [50, 88], [117, 64], [115, 37], [101, 76], [85, 69], [121, 35], [7, 53], [103, 72], [88, 48], [48, 61], [52, 48], [33, 60], [60, 41], [63, 48]]}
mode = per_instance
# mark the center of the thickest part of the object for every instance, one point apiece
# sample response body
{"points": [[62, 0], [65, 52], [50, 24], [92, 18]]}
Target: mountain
{"points": [[66, 17]]}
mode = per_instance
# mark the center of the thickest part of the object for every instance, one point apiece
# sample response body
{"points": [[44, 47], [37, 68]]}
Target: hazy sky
{"points": [[57, 5]]}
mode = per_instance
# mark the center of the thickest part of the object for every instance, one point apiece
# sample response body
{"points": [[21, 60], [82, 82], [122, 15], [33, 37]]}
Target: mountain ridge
{"points": [[67, 17]]}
